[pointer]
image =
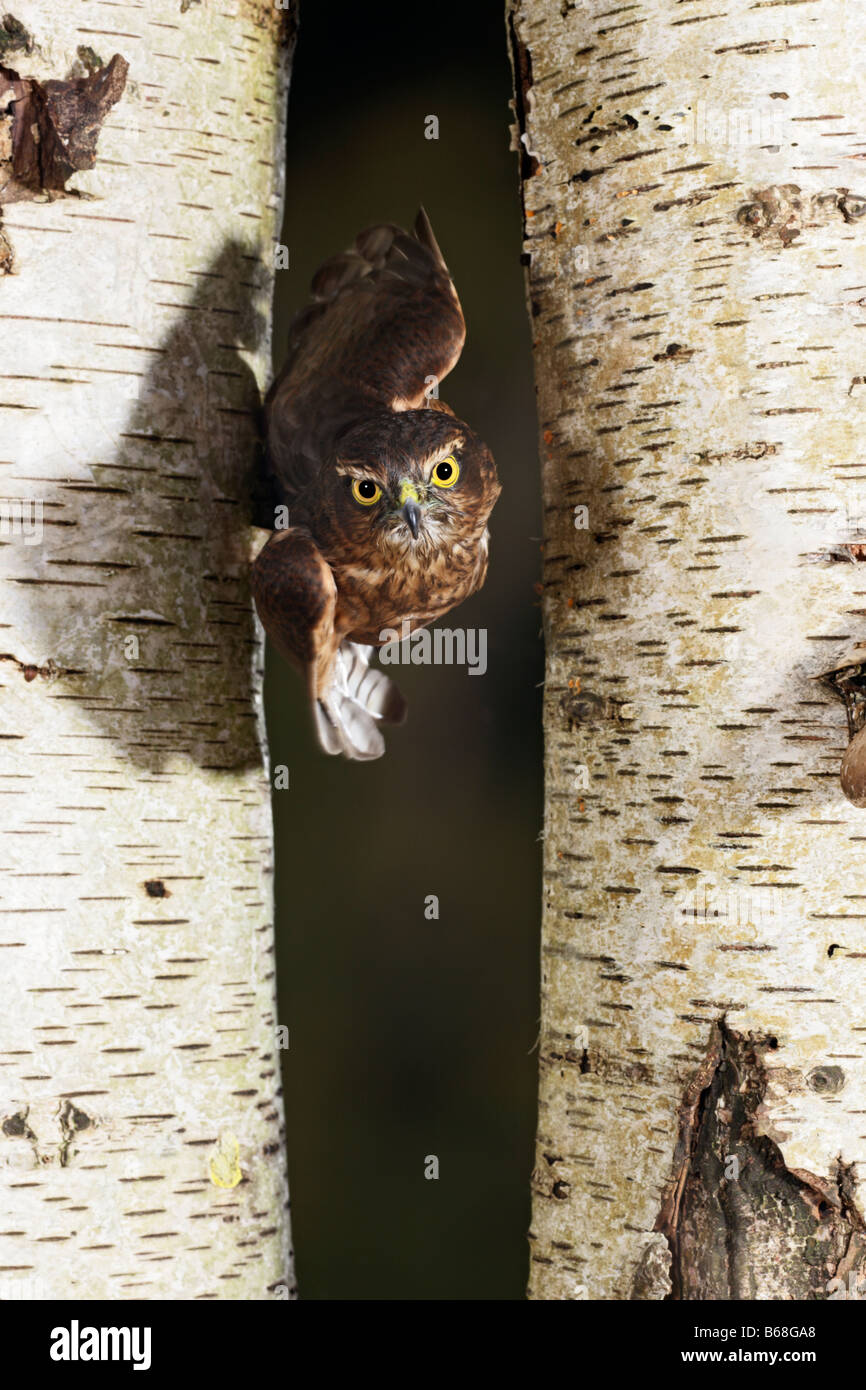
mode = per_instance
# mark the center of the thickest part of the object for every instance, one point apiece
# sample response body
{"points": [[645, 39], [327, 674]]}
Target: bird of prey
{"points": [[388, 494]]}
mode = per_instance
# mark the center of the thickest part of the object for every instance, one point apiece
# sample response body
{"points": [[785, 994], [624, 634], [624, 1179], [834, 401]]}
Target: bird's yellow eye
{"points": [[365, 491], [446, 472]]}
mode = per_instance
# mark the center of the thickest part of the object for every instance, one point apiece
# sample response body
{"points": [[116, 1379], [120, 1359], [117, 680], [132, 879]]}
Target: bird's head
{"points": [[415, 481]]}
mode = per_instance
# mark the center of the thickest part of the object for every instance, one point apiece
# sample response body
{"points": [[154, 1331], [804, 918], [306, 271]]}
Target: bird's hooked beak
{"points": [[409, 509]]}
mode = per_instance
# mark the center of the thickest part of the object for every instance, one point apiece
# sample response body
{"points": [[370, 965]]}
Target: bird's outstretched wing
{"points": [[384, 318]]}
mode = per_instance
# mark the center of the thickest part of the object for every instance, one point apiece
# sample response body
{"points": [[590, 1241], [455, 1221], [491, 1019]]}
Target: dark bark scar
{"points": [[736, 1220], [49, 130]]}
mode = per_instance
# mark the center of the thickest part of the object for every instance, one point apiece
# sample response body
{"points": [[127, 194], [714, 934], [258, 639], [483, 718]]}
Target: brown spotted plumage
{"points": [[388, 494]]}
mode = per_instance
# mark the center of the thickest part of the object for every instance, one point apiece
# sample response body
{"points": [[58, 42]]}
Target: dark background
{"points": [[411, 1037]]}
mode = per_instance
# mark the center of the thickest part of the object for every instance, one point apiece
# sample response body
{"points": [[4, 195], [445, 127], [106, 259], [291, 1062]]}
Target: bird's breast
{"points": [[381, 591]]}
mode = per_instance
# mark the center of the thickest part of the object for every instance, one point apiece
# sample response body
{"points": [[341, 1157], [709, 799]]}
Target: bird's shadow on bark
{"points": [[152, 551]]}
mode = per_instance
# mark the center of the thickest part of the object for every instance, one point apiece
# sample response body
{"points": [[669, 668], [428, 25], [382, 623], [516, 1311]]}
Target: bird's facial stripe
{"points": [[355, 470]]}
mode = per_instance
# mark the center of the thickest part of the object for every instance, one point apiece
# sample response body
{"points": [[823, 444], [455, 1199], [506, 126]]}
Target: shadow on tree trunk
{"points": [[156, 546]]}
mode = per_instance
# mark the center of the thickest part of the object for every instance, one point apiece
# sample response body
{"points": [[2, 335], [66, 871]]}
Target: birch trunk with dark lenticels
{"points": [[695, 245], [141, 1127]]}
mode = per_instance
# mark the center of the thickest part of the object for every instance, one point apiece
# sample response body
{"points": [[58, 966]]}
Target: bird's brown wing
{"points": [[296, 598], [384, 318]]}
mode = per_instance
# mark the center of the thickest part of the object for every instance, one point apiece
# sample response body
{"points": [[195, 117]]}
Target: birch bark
{"points": [[141, 1127], [694, 237]]}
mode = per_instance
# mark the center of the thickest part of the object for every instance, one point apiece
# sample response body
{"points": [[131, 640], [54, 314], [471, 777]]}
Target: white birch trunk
{"points": [[697, 276], [141, 1130]]}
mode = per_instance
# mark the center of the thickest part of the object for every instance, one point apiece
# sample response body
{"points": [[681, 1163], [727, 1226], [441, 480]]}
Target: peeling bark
{"points": [[141, 1124], [738, 1223], [697, 305], [53, 127]]}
